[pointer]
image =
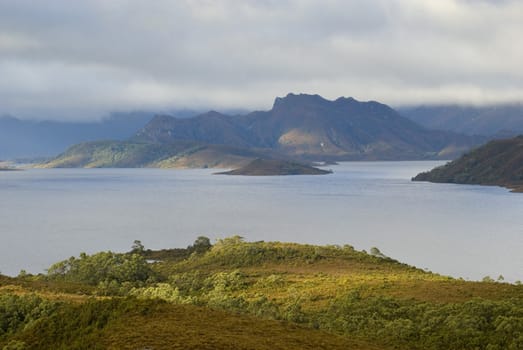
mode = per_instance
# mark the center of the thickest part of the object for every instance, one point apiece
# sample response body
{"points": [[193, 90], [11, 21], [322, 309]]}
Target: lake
{"points": [[47, 215]]}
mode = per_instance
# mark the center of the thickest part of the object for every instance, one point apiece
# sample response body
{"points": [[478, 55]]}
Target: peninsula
{"points": [[497, 163]]}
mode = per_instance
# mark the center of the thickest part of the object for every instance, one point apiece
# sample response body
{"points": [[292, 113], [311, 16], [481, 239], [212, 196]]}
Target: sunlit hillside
{"points": [[258, 295]]}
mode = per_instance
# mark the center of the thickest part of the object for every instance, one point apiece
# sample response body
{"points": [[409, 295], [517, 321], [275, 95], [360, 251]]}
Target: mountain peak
{"points": [[343, 99], [212, 114], [295, 99], [305, 99]]}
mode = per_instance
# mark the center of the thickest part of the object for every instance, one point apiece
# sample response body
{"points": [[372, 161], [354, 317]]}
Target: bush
{"points": [[19, 311], [103, 267]]}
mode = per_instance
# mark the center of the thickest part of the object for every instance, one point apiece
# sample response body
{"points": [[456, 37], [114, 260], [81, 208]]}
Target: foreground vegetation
{"points": [[258, 295]]}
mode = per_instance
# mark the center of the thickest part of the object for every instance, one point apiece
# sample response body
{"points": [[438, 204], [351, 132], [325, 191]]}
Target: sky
{"points": [[77, 60]]}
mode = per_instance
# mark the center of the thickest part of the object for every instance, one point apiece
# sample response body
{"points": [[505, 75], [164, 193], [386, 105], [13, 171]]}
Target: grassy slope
{"points": [[130, 154], [499, 162], [261, 295]]}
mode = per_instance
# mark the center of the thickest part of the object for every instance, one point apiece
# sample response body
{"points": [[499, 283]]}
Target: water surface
{"points": [[47, 215]]}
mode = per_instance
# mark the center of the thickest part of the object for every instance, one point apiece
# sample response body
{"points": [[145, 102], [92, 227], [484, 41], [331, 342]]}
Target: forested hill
{"points": [[499, 162], [254, 295]]}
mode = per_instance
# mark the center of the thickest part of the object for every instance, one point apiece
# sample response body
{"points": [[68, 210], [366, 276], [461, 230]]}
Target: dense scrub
{"points": [[499, 162], [332, 288], [112, 273], [154, 324]]}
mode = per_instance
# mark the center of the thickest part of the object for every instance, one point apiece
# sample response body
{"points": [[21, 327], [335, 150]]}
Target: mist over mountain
{"points": [[45, 138], [493, 121]]}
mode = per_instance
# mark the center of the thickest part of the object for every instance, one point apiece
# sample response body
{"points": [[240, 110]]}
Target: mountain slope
{"points": [[304, 127], [493, 121], [129, 154], [311, 127], [499, 162], [209, 128]]}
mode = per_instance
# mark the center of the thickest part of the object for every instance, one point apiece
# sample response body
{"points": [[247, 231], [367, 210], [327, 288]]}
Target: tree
{"points": [[376, 252], [137, 247], [201, 244], [488, 279]]}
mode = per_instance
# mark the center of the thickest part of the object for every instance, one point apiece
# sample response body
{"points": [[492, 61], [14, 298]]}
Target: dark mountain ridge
{"points": [[298, 127], [311, 127]]}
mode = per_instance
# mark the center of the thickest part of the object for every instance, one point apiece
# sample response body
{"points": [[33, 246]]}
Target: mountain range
{"points": [[496, 121], [311, 127], [303, 127]]}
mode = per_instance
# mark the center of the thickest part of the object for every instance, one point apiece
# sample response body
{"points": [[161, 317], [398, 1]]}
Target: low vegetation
{"points": [[254, 295]]}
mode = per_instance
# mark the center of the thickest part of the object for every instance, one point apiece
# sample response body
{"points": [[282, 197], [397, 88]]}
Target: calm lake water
{"points": [[463, 231]]}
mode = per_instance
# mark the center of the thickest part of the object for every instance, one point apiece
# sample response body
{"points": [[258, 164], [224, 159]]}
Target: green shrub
{"points": [[106, 267], [18, 311]]}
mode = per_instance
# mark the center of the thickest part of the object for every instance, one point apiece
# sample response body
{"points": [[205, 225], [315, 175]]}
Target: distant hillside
{"points": [[271, 167], [499, 162], [493, 121], [35, 139], [311, 127], [31, 139], [303, 127], [127, 154]]}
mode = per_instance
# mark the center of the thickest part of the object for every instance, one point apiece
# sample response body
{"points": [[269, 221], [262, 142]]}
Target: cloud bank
{"points": [[82, 59]]}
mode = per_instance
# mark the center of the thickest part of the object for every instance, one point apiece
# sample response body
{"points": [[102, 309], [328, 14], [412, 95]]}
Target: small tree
{"points": [[488, 279], [137, 247], [201, 244], [376, 252]]}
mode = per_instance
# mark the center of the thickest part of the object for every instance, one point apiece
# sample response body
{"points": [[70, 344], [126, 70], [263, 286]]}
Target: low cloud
{"points": [[76, 60]]}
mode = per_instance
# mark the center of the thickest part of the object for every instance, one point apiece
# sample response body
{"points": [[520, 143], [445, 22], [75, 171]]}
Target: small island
{"points": [[497, 163], [8, 169], [275, 167]]}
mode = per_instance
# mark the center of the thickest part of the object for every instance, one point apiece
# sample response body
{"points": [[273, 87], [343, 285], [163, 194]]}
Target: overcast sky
{"points": [[66, 59]]}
